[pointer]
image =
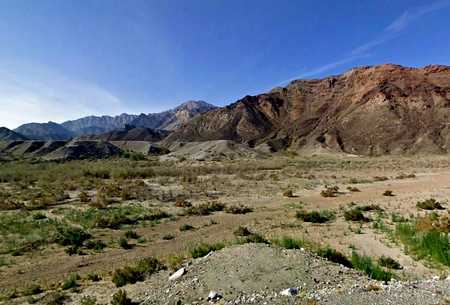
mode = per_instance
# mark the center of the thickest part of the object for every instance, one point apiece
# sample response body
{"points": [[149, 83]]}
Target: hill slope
{"points": [[9, 135], [367, 110], [44, 131]]}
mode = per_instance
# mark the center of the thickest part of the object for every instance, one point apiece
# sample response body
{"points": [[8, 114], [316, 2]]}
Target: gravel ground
{"points": [[258, 274]]}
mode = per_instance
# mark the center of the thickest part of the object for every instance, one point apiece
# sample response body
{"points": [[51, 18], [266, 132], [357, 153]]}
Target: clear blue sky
{"points": [[66, 59]]}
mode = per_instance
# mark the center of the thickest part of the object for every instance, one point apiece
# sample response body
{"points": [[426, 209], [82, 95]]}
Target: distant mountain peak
{"points": [[96, 125]]}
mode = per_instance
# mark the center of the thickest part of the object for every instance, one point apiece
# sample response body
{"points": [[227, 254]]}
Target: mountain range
{"points": [[94, 125], [367, 110], [370, 110]]}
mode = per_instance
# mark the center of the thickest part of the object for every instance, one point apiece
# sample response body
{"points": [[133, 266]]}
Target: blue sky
{"points": [[66, 59]]}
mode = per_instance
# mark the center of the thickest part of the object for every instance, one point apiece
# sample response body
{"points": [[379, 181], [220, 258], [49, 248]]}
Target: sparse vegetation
{"points": [[130, 274], [186, 227], [288, 193], [429, 204], [330, 191], [388, 262], [120, 298], [315, 216], [388, 193], [111, 201], [203, 249], [354, 215]]}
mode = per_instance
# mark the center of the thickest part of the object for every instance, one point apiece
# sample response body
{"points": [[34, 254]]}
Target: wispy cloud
{"points": [[395, 29], [37, 94]]}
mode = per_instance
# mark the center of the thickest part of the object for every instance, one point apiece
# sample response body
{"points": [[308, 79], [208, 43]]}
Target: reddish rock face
{"points": [[367, 110]]}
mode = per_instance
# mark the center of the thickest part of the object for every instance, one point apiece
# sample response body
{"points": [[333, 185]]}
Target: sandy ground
{"points": [[273, 217]]}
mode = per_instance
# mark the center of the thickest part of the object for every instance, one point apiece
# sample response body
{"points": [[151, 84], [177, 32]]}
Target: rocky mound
{"points": [[77, 150], [367, 110], [262, 274]]}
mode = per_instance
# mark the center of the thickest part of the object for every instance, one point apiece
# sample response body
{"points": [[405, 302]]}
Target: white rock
{"points": [[212, 295], [448, 278], [289, 292], [436, 277], [177, 274]]}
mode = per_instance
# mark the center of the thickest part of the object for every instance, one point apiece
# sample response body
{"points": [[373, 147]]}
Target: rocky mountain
{"points": [[45, 131], [9, 135], [127, 134], [172, 119], [98, 124], [367, 110], [167, 120]]}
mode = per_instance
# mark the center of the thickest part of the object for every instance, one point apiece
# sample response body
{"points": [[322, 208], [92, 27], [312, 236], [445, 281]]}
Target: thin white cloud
{"points": [[395, 29], [40, 95]]}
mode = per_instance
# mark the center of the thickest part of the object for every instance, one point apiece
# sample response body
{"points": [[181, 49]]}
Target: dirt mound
{"points": [[262, 274], [368, 110]]}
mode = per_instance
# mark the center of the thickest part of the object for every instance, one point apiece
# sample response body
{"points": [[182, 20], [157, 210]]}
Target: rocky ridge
{"points": [[367, 110]]}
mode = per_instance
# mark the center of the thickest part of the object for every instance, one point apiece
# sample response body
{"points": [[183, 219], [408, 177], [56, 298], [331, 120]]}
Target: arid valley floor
{"points": [[133, 209]]}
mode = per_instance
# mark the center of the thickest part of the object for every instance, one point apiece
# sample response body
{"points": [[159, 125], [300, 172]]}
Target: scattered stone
{"points": [[289, 292], [177, 274], [213, 295]]}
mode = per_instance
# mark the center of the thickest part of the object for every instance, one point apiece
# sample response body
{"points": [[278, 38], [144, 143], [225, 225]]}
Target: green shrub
{"points": [[123, 243], [71, 236], [204, 208], [288, 193], [253, 238], [334, 256], [131, 274], [364, 263], [32, 290], [130, 234], [353, 189], [83, 196], [120, 298], [168, 237], [429, 204], [186, 227], [39, 216], [203, 249], [180, 202], [71, 250], [240, 209], [242, 231], [316, 217], [388, 262], [290, 243], [388, 193], [366, 208], [354, 215], [428, 244], [96, 245], [93, 277], [330, 191], [71, 282]]}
